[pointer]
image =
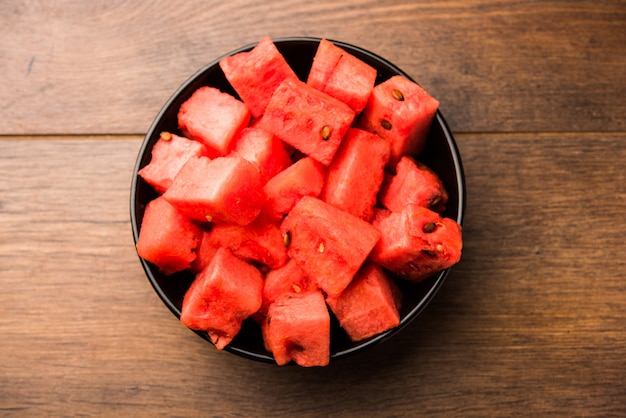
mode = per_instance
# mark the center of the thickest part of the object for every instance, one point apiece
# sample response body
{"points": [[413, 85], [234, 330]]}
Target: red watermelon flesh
{"points": [[225, 293], [416, 242], [328, 244], [226, 189], [263, 149], [342, 75], [259, 241], [205, 252], [326, 58], [308, 119], [167, 238], [287, 279], [305, 177], [402, 112], [356, 173], [213, 118], [297, 327], [369, 305], [169, 154], [413, 183], [256, 74]]}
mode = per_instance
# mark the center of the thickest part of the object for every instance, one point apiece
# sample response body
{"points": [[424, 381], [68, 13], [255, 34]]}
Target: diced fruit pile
{"points": [[300, 201]]}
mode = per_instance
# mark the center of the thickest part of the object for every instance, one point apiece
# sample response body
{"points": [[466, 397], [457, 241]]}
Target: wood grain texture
{"points": [[107, 67], [530, 323]]}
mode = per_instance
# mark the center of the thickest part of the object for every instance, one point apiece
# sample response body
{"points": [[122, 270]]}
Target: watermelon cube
{"points": [[259, 241], [256, 74], [356, 173], [169, 154], [369, 305], [342, 75], [413, 183], [225, 293], [402, 112], [324, 62], [167, 238], [297, 327], [304, 178], [416, 242], [227, 189], [328, 244], [287, 279], [204, 253], [308, 119], [213, 118], [264, 149]]}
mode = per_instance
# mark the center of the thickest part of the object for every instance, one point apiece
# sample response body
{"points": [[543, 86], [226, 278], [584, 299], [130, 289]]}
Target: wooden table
{"points": [[532, 322]]}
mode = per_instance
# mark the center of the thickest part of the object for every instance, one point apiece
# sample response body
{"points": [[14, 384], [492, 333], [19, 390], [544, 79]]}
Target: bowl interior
{"points": [[440, 154]]}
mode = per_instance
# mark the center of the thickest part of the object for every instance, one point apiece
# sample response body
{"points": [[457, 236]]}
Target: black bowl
{"points": [[440, 154]]}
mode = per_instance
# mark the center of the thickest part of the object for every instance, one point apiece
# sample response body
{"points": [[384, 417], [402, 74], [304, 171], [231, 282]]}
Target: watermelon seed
{"points": [[385, 124], [435, 201], [166, 136], [320, 249], [429, 227], [287, 239], [429, 253], [439, 248], [325, 132], [209, 218], [397, 94]]}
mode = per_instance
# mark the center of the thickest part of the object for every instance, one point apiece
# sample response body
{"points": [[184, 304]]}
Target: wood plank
{"points": [[73, 67], [531, 322]]}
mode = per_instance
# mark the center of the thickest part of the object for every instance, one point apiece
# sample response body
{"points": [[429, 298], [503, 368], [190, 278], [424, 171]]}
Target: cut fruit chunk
{"points": [[167, 238], [263, 149], [259, 241], [308, 119], [297, 327], [169, 154], [416, 242], [213, 118], [224, 294], [356, 173], [402, 112], [256, 74], [226, 189], [328, 244], [369, 305], [342, 75], [305, 177], [351, 82], [413, 183], [285, 280], [205, 252]]}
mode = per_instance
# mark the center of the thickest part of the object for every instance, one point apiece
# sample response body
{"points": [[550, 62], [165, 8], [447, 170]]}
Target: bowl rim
{"points": [[439, 277]]}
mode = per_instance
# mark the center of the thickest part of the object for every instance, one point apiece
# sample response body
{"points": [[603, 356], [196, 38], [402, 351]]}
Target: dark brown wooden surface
{"points": [[532, 322]]}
